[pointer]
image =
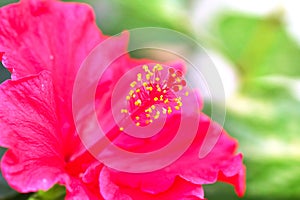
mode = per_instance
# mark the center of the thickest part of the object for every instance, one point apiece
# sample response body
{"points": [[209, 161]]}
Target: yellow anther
{"points": [[179, 103], [124, 111], [157, 115], [145, 67], [159, 67], [157, 79], [186, 93], [178, 80], [149, 110], [121, 129], [180, 87], [138, 102], [173, 75], [137, 117], [148, 115], [164, 111], [165, 91], [177, 107], [158, 89], [137, 90], [133, 84], [166, 101], [154, 68], [139, 77], [149, 88], [169, 110], [149, 121], [138, 124], [127, 97], [148, 76], [155, 99], [161, 97], [177, 99], [145, 84], [153, 107], [131, 92]]}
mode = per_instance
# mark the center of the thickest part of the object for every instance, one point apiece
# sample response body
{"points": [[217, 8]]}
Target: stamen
{"points": [[154, 92], [133, 84], [124, 111]]}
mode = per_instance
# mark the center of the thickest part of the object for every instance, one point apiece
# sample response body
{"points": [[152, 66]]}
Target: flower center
{"points": [[157, 91]]}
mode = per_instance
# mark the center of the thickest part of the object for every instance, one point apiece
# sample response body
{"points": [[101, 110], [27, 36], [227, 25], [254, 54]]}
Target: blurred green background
{"points": [[255, 45]]}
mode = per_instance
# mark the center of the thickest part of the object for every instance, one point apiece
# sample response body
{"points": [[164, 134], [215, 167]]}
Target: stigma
{"points": [[156, 91]]}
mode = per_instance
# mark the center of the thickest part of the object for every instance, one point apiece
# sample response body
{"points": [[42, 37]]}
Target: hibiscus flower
{"points": [[43, 44]]}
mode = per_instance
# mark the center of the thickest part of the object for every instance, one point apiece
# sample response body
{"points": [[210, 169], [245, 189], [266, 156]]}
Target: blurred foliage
{"points": [[268, 179], [5, 2], [263, 116], [55, 193], [115, 16], [4, 74], [258, 46]]}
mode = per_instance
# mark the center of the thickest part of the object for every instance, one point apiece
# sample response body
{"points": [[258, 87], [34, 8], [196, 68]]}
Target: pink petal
{"points": [[36, 159], [54, 36], [221, 160], [29, 128], [87, 186], [49, 35], [237, 180], [180, 189], [26, 174]]}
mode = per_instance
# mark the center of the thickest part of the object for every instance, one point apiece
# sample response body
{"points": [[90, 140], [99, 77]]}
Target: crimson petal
{"points": [[29, 128]]}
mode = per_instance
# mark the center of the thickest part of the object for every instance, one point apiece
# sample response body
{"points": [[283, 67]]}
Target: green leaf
{"points": [[260, 118], [56, 193], [5, 2], [258, 46], [267, 179], [4, 73], [264, 118], [276, 178], [268, 135]]}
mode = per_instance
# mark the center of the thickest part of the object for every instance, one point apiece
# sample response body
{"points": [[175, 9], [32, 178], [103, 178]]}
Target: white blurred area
{"points": [[204, 12], [225, 70]]}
